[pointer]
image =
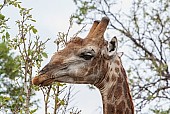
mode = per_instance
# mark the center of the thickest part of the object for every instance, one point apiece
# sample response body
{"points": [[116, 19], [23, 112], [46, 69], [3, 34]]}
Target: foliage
{"points": [[12, 95], [161, 111], [144, 31], [17, 72], [83, 10]]}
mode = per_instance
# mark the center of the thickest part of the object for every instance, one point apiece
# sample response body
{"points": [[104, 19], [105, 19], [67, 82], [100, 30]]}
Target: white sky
{"points": [[52, 16]]}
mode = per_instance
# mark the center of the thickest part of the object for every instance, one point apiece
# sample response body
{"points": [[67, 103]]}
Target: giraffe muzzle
{"points": [[42, 80]]}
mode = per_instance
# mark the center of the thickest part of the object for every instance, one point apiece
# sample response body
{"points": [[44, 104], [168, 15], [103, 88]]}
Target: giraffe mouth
{"points": [[45, 80], [42, 80]]}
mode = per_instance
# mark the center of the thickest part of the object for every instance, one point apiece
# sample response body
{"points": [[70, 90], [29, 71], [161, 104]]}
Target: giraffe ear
{"points": [[112, 47]]}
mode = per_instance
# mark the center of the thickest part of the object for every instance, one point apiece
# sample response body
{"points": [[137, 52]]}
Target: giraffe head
{"points": [[82, 60]]}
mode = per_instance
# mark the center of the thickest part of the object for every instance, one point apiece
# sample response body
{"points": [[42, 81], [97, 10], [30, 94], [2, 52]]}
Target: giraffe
{"points": [[92, 60]]}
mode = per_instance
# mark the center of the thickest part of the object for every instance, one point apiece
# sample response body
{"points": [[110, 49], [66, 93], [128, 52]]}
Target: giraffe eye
{"points": [[86, 55]]}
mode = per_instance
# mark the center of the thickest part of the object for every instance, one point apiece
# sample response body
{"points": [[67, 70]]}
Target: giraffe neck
{"points": [[115, 90]]}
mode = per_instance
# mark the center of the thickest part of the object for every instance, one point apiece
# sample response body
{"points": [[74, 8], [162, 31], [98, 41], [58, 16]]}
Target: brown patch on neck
{"points": [[118, 92], [117, 62], [110, 92], [127, 111], [120, 108], [117, 70], [110, 109], [120, 80]]}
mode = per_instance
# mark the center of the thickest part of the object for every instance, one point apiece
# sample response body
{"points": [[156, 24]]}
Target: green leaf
{"points": [[21, 98], [44, 55], [60, 84], [7, 35], [33, 111], [29, 52], [20, 111], [4, 98], [33, 20], [62, 102], [7, 98], [2, 17], [34, 30], [36, 88], [19, 6], [3, 37]]}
